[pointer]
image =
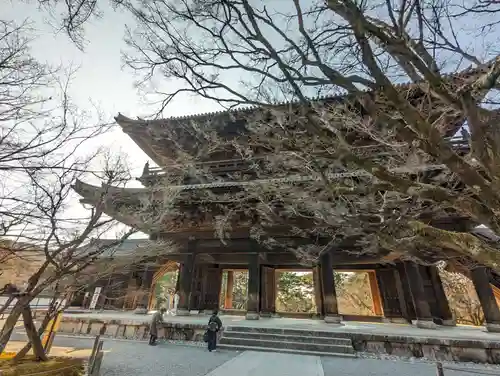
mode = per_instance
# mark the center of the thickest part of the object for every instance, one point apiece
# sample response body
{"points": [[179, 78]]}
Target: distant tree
{"points": [[462, 298], [295, 292]]}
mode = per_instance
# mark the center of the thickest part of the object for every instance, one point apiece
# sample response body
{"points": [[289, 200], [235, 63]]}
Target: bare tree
{"points": [[46, 148], [357, 55]]}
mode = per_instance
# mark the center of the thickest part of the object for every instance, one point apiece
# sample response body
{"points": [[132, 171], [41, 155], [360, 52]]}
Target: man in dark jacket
{"points": [[214, 325], [155, 323]]}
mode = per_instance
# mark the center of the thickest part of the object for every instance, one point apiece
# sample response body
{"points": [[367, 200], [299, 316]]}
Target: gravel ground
{"points": [[397, 367], [140, 359], [176, 358]]}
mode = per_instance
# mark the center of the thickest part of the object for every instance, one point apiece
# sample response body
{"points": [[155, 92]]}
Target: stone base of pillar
{"points": [[194, 312], [266, 314], [335, 320], [141, 311], [395, 320], [449, 323], [493, 328], [252, 316], [182, 312], [425, 324]]}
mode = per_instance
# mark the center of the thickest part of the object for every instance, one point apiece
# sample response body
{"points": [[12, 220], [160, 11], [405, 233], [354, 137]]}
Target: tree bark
{"points": [[22, 353], [32, 334], [10, 323]]}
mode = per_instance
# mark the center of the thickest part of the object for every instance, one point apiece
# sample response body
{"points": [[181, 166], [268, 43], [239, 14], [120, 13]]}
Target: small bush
{"points": [[53, 367]]}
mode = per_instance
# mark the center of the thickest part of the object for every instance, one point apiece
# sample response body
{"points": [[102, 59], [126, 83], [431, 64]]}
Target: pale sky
{"points": [[100, 78]]}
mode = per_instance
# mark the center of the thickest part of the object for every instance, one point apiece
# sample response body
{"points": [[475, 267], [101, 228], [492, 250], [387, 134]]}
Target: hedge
{"points": [[52, 367]]}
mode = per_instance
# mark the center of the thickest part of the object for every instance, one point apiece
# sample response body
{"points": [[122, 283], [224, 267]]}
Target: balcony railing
{"points": [[228, 166]]}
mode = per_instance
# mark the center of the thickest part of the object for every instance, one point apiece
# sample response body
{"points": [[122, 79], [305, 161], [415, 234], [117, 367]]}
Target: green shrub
{"points": [[53, 367]]}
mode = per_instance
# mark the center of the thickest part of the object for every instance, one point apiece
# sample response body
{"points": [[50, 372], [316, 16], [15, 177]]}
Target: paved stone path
{"points": [[251, 363]]}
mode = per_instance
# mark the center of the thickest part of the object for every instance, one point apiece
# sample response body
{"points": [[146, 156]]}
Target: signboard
{"points": [[95, 297]]}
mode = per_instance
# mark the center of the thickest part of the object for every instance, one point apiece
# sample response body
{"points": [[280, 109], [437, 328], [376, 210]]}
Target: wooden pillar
{"points": [[391, 290], [228, 299], [185, 283], [481, 278], [267, 291], [418, 293], [212, 287], [329, 294], [443, 314], [375, 292], [197, 288], [406, 300], [253, 288], [318, 291]]}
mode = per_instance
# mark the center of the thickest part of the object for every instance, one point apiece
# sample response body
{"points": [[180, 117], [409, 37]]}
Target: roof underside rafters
{"points": [[155, 137]]}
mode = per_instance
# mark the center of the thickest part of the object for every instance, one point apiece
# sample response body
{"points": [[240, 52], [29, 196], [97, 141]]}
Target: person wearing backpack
{"points": [[214, 325]]}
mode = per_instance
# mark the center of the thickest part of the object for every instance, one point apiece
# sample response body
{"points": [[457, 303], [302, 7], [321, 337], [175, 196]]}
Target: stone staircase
{"points": [[290, 341]]}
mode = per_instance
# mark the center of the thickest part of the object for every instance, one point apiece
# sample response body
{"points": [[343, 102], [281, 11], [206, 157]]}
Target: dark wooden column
{"points": [[329, 294], [443, 312], [253, 288], [267, 291], [318, 291], [403, 285], [213, 282], [185, 283], [420, 299], [392, 294], [197, 288], [228, 298], [481, 278]]}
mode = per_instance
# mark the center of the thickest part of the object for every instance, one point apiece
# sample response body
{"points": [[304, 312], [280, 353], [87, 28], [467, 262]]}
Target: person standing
{"points": [[214, 326], [155, 322]]}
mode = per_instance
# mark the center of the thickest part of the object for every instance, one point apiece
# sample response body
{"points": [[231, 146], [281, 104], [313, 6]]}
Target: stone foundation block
{"points": [[111, 330], [95, 328], [426, 324], [335, 320], [494, 328], [130, 331], [252, 316]]}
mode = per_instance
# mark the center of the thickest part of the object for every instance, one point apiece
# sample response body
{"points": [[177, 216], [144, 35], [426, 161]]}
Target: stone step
{"points": [[289, 332], [279, 344], [286, 351], [289, 338]]}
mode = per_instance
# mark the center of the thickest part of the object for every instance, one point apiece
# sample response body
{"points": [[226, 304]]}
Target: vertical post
{"points": [[375, 292], [267, 291], [318, 294], [422, 308], [444, 314], [228, 299], [481, 278], [253, 288], [392, 294], [185, 283], [329, 294]]}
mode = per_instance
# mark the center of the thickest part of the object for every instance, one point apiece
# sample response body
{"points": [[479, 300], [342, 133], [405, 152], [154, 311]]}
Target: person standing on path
{"points": [[155, 322], [214, 325]]}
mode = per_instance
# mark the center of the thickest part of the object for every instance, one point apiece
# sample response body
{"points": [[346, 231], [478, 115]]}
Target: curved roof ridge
{"points": [[125, 121]]}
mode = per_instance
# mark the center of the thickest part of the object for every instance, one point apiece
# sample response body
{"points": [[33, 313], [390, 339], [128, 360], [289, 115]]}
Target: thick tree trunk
{"points": [[24, 351], [32, 334], [7, 304], [10, 324]]}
